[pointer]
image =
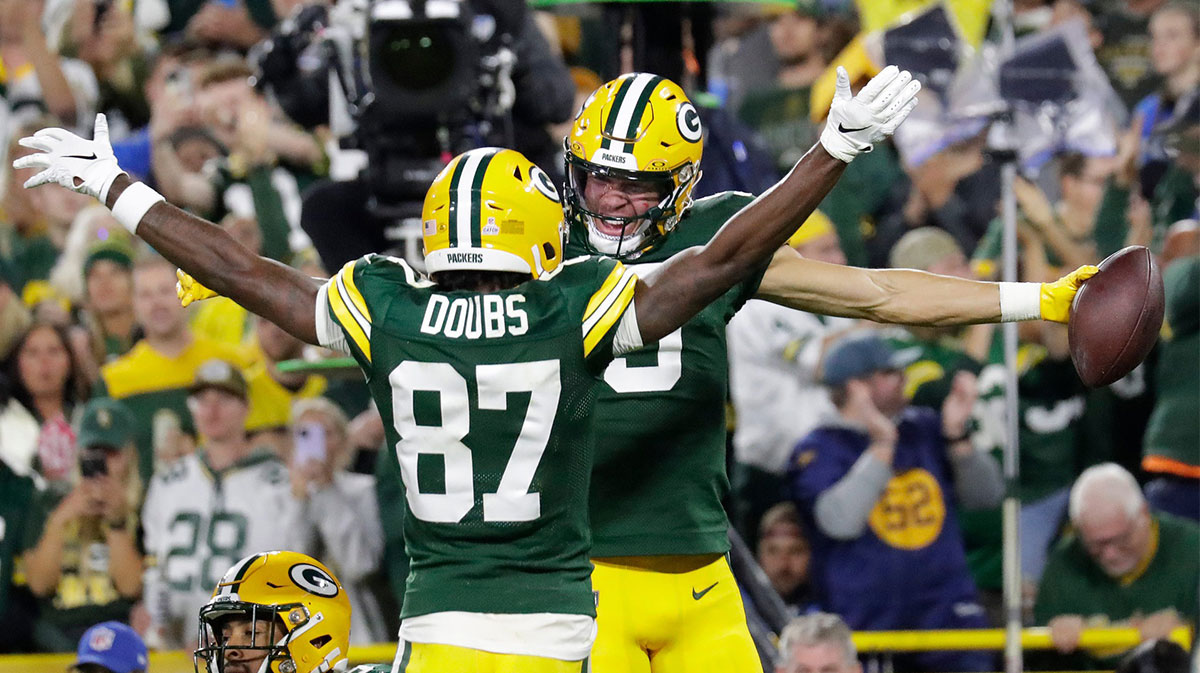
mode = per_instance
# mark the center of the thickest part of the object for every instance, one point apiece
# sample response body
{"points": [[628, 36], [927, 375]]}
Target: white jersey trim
{"points": [[328, 334], [544, 634]]}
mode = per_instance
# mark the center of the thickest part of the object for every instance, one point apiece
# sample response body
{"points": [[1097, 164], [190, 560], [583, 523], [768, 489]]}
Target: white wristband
{"points": [[1020, 301], [132, 204]]}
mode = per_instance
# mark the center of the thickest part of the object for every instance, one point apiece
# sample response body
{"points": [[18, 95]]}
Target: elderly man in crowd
{"points": [[817, 643], [1123, 565]]}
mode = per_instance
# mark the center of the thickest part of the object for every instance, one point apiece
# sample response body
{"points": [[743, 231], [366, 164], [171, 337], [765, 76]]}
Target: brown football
{"points": [[1116, 316]]}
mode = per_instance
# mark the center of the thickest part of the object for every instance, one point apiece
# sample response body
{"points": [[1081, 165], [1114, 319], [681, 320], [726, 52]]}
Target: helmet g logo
{"points": [[688, 121], [313, 580], [543, 183]]}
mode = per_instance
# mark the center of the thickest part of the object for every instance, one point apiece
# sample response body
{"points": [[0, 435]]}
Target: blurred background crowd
{"points": [[145, 447]]}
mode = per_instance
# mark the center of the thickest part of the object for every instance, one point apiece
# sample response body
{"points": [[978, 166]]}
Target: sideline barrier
{"points": [[867, 642], [1034, 638]]}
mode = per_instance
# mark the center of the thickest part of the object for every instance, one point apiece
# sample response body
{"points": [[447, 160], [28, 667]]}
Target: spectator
{"points": [[108, 300], [273, 392], [1064, 229], [16, 492], [84, 563], [773, 357], [817, 643], [1124, 51], [784, 555], [1171, 452], [210, 508], [338, 517], [153, 377], [780, 113], [231, 25], [37, 227], [104, 36], [46, 381], [1147, 174], [111, 647], [1123, 564], [877, 485], [38, 80]]}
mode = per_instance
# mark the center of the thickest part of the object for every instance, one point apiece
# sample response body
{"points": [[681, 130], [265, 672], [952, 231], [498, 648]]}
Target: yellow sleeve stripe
{"points": [[346, 277], [605, 288], [610, 311], [344, 312]]}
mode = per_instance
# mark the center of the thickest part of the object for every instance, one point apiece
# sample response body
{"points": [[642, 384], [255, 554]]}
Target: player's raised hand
{"points": [[856, 123], [188, 289], [1056, 297], [84, 166]]}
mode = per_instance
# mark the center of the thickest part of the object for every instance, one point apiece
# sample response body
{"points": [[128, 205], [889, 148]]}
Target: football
{"points": [[1116, 316]]}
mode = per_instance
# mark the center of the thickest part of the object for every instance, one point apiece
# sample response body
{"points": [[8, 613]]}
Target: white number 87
{"points": [[512, 500]]}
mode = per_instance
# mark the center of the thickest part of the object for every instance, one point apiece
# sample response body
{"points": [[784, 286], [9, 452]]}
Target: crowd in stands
{"points": [[145, 447]]}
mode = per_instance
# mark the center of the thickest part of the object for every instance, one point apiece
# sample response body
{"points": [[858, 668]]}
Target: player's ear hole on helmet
{"points": [[549, 250]]}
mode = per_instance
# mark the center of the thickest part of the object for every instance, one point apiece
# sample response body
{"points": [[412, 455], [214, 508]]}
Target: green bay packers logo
{"points": [[313, 580], [688, 121], [912, 511], [543, 183]]}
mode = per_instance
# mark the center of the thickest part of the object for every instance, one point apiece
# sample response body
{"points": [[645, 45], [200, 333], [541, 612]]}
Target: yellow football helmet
{"points": [[291, 598], [492, 209], [639, 128]]}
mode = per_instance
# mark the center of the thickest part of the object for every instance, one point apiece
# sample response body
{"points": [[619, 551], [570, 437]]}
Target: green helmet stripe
{"points": [[640, 109], [611, 124], [452, 213], [476, 202]]}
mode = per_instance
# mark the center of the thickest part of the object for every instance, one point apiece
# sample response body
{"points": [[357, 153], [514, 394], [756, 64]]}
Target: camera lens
{"points": [[417, 56]]}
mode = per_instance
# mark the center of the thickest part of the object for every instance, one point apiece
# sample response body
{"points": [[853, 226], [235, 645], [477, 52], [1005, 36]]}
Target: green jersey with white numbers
{"points": [[659, 476], [487, 401]]}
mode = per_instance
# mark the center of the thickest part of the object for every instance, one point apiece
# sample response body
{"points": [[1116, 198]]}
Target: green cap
{"points": [[114, 251], [221, 375], [106, 422]]}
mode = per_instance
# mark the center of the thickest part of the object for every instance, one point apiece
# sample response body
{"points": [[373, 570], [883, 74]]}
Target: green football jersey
{"points": [[1170, 445], [371, 668], [659, 476], [16, 494], [487, 402]]}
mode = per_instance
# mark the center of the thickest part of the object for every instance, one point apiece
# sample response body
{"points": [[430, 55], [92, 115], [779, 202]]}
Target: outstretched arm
{"points": [[909, 297], [693, 279], [276, 292], [208, 253]]}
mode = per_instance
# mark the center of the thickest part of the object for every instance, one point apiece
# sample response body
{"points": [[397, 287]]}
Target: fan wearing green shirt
{"points": [[1123, 565]]}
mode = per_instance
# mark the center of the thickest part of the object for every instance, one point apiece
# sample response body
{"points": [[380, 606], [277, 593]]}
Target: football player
{"points": [[275, 612], [666, 598], [485, 375]]}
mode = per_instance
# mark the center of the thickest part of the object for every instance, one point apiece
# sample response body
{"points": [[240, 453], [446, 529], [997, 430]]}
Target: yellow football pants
{"points": [[670, 614], [434, 658]]}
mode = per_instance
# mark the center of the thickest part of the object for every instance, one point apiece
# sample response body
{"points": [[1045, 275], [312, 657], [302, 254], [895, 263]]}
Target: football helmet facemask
{"points": [[492, 209], [291, 610], [641, 134]]}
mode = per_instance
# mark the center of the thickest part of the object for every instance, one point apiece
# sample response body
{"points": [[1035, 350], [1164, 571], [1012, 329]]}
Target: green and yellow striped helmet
{"points": [[639, 128], [492, 209]]}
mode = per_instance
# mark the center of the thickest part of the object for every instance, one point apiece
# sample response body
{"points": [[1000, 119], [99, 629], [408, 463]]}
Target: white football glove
{"points": [[856, 123], [84, 166]]}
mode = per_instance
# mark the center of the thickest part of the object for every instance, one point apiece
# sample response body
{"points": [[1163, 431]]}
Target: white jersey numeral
{"points": [[512, 500], [660, 377]]}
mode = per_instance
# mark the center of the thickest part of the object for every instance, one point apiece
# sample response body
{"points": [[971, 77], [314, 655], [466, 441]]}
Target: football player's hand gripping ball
{"points": [[189, 289]]}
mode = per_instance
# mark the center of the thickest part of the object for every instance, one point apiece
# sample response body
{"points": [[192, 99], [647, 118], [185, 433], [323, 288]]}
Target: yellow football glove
{"points": [[1057, 296], [188, 289]]}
